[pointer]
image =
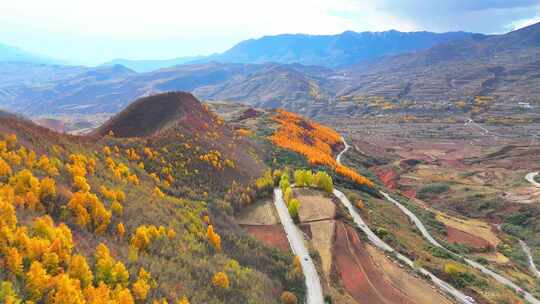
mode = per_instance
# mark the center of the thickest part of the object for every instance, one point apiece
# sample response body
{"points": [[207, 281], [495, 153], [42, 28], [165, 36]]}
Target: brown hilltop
{"points": [[149, 115], [190, 132]]}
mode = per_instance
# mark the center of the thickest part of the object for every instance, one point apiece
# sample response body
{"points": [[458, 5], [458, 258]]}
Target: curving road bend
{"points": [[347, 147], [532, 265], [529, 297], [313, 282], [530, 178]]}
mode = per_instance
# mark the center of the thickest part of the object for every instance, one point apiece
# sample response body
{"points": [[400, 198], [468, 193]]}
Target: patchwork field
{"points": [[261, 221], [271, 235], [472, 232], [417, 289], [260, 213], [317, 212], [359, 274], [315, 205], [467, 184]]}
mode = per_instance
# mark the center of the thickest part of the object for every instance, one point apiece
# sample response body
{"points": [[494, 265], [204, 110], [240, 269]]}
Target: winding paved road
{"points": [[313, 282], [532, 265], [529, 297], [530, 178], [375, 240]]}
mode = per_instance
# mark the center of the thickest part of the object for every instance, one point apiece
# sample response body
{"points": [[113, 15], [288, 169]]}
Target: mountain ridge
{"points": [[142, 66], [10, 53], [331, 50]]}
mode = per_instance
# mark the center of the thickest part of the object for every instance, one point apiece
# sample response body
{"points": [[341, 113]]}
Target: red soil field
{"points": [[388, 177], [271, 235], [359, 275], [458, 236], [410, 193]]}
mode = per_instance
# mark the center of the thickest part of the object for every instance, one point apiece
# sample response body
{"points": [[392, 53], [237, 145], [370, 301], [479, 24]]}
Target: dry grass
{"points": [[322, 234], [416, 289], [495, 257], [261, 213], [315, 207], [472, 226]]}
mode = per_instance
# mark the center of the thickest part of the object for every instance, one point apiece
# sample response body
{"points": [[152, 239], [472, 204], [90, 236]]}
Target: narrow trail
{"points": [[425, 233], [296, 240]]}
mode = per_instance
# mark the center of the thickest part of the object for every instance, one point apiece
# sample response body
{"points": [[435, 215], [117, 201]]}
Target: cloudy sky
{"points": [[90, 32]]}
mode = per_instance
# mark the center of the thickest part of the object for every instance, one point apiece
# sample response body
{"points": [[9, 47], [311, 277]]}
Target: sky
{"points": [[95, 31]]}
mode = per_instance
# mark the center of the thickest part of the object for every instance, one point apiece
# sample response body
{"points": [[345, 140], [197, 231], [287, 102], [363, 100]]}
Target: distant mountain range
{"points": [[324, 50], [143, 66], [332, 50], [506, 66], [502, 66], [14, 54]]}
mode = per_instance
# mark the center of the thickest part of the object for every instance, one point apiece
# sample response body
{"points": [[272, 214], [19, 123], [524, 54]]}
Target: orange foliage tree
{"points": [[221, 280], [312, 140], [213, 238]]}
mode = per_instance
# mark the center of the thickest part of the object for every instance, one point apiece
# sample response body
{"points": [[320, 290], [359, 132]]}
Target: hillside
{"points": [[169, 202], [127, 220], [501, 66], [149, 115]]}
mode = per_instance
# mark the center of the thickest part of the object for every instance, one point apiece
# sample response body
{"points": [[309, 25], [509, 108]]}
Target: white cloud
{"points": [[203, 26], [515, 25], [161, 18], [98, 30]]}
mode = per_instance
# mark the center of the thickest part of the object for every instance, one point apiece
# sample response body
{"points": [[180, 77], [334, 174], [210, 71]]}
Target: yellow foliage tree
{"points": [[14, 261], [213, 238], [5, 169], [8, 294], [108, 270], [98, 295], [88, 209], [158, 193], [141, 286], [123, 296], [121, 229], [171, 233], [117, 208], [106, 151], [11, 141], [144, 235], [38, 281], [220, 280], [66, 291], [79, 269], [184, 300]]}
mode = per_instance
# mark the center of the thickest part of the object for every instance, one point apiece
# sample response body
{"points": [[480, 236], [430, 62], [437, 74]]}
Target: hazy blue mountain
{"points": [[332, 50], [14, 54], [143, 66]]}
